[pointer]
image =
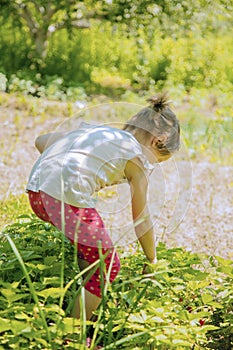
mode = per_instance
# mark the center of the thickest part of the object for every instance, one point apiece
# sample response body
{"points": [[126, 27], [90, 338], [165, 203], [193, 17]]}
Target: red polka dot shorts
{"points": [[84, 226]]}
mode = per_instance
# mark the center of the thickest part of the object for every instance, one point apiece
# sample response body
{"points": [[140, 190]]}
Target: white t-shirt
{"points": [[84, 161]]}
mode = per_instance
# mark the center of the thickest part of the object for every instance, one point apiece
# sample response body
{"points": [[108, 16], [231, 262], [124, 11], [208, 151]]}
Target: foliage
{"points": [[41, 249], [3, 82], [205, 126], [13, 207], [185, 302], [43, 18], [106, 60], [131, 44], [178, 305]]}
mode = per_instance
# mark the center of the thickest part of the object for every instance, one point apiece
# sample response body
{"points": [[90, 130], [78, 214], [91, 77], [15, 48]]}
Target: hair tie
{"points": [[159, 102]]}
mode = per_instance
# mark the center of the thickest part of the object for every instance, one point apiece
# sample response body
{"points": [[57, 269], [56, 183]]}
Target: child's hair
{"points": [[157, 119]]}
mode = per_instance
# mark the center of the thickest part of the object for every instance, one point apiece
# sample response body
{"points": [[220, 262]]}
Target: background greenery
{"points": [[115, 46], [126, 50]]}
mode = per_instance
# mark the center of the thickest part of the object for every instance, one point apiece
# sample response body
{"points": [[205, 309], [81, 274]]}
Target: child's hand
{"points": [[149, 266]]}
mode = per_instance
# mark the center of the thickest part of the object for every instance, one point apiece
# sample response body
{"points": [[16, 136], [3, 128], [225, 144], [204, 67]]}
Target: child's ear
{"points": [[158, 141]]}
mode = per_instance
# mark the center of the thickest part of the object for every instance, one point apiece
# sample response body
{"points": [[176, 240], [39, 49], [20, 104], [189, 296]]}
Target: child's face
{"points": [[162, 158], [157, 157], [152, 152]]}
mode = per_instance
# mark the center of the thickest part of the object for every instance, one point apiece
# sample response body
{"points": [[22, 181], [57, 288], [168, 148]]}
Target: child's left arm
{"points": [[143, 224]]}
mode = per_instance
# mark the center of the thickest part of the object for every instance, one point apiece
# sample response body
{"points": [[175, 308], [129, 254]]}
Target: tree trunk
{"points": [[41, 43]]}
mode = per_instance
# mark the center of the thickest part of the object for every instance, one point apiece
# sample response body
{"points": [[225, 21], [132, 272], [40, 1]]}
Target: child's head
{"points": [[159, 121]]}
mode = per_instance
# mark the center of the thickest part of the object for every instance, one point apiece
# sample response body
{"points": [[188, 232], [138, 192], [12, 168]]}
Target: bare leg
{"points": [[91, 304], [91, 300]]}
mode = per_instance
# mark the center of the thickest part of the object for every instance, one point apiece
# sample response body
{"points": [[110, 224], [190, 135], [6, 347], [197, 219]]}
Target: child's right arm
{"points": [[143, 224], [44, 141]]}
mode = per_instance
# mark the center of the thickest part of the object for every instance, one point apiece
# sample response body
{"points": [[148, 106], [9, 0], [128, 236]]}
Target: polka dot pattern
{"points": [[82, 225]]}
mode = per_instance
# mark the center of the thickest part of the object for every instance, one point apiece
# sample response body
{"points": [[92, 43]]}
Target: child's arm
{"points": [[143, 224], [44, 141]]}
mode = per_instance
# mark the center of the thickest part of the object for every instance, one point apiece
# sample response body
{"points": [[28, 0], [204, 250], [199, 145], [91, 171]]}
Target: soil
{"points": [[190, 201]]}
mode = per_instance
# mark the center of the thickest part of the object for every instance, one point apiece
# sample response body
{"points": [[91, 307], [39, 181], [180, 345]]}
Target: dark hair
{"points": [[157, 119]]}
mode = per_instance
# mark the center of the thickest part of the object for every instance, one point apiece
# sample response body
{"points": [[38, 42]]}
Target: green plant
{"points": [[3, 82], [185, 302], [31, 265], [13, 207], [172, 307]]}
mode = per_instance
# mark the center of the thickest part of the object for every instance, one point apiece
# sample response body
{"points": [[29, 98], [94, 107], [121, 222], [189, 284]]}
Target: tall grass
{"points": [[31, 287]]}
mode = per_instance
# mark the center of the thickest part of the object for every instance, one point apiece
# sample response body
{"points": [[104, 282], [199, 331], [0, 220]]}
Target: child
{"points": [[74, 165]]}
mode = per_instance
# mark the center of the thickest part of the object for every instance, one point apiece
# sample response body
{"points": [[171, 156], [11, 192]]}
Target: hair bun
{"points": [[159, 102]]}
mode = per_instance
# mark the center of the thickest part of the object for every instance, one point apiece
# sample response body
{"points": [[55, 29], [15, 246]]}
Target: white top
{"points": [[82, 162]]}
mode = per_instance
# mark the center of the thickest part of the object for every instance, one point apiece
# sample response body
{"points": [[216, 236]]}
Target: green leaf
{"points": [[49, 260], [183, 315], [206, 298], [51, 292], [56, 281], [216, 305], [161, 337], [176, 280], [226, 269], [18, 327], [224, 262], [4, 324], [12, 295], [207, 328], [195, 285], [40, 267], [182, 342], [157, 319], [42, 341], [196, 316], [21, 316], [24, 216], [55, 309], [136, 318], [70, 325]]}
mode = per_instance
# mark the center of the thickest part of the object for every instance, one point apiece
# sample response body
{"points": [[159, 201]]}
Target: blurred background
{"points": [[68, 49]]}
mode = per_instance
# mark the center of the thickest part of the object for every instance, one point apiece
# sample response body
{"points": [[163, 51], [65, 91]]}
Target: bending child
{"points": [[74, 165]]}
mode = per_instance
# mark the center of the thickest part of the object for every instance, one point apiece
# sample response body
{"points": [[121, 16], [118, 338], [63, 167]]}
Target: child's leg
{"points": [[36, 202], [86, 227], [91, 230], [91, 303], [91, 233]]}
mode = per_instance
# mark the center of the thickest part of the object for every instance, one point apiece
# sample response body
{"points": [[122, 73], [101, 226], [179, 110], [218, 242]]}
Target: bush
{"points": [[15, 46], [17, 84], [110, 59], [3, 82], [199, 61], [185, 302]]}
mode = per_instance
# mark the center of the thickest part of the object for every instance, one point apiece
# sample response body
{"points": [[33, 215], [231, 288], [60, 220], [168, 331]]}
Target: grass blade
{"points": [[30, 284]]}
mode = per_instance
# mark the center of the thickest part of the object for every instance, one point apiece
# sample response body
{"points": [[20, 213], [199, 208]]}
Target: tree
{"points": [[44, 17]]}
